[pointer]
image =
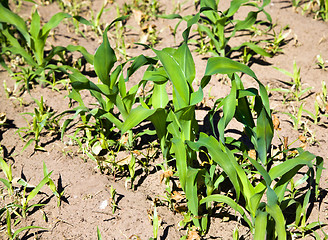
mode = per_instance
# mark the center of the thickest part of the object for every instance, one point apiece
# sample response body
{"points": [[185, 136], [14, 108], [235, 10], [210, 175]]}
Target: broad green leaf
{"points": [[264, 135], [82, 20], [104, 59], [100, 113], [234, 6], [229, 108], [159, 97], [274, 210], [303, 159], [260, 225], [36, 190], [136, 116], [83, 51], [6, 183], [158, 119], [178, 148], [138, 62], [247, 23], [186, 62], [53, 22], [9, 17], [233, 204], [191, 193], [196, 97], [178, 76], [219, 157], [222, 65], [35, 25]]}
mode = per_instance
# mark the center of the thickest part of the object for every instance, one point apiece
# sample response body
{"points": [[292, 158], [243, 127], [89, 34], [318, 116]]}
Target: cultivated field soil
{"points": [[86, 202]]}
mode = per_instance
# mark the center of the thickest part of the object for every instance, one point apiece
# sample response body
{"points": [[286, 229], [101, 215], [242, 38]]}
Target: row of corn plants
{"points": [[266, 185]]}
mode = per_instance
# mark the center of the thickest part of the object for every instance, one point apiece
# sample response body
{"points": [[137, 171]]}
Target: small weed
{"points": [[296, 90], [322, 63], [43, 117], [280, 39]]}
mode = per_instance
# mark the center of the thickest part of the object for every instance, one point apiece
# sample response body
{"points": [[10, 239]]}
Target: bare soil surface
{"points": [[87, 191]]}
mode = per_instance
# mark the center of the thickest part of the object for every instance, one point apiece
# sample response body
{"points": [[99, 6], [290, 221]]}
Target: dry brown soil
{"points": [[86, 188]]}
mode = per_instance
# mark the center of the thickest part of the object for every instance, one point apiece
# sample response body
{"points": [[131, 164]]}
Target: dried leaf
{"points": [[285, 143], [193, 235], [134, 237], [276, 122], [252, 153], [177, 196], [168, 173], [302, 138], [124, 161]]}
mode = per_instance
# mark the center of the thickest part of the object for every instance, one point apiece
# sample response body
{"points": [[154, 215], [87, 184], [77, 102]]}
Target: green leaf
{"points": [[83, 51], [35, 25], [159, 97], [178, 148], [23, 229], [260, 225], [52, 23], [233, 204], [222, 65], [191, 193], [36, 190], [136, 116], [9, 17], [229, 108], [264, 135], [104, 59], [179, 67], [220, 157], [274, 210], [304, 158], [98, 234]]}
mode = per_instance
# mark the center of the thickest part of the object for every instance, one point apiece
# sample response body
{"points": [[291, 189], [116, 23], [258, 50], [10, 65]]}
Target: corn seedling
{"points": [[113, 199], [42, 118], [13, 235], [321, 62], [296, 90], [98, 234], [280, 39], [96, 25], [52, 186], [296, 117], [318, 7], [317, 115], [212, 26], [155, 222]]}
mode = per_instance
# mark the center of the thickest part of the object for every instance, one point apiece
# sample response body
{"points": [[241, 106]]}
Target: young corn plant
{"points": [[181, 141], [296, 91], [213, 23], [109, 93], [31, 46], [43, 117]]}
